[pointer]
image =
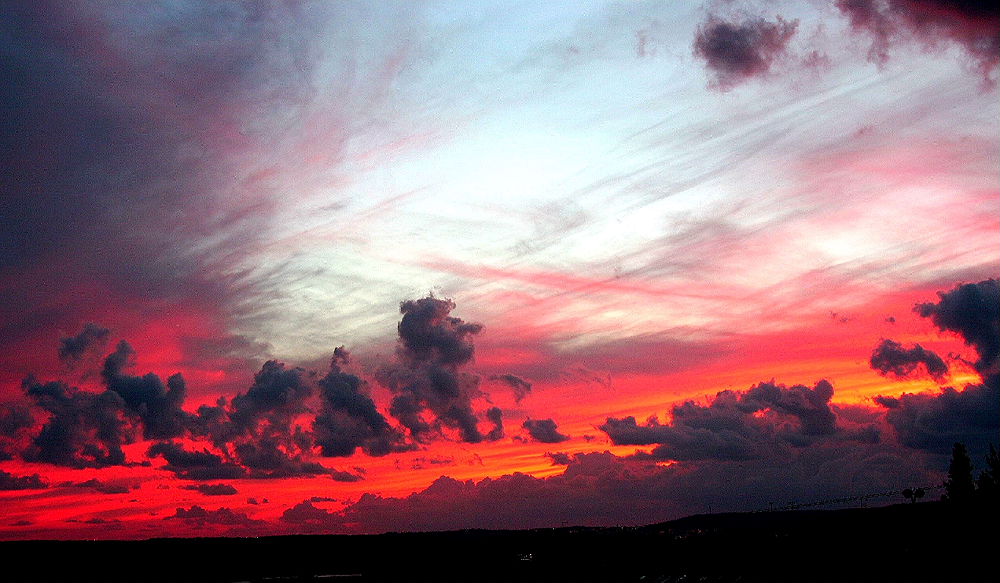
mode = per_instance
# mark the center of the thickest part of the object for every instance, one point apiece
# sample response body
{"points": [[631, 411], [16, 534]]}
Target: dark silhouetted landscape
{"points": [[929, 541]]}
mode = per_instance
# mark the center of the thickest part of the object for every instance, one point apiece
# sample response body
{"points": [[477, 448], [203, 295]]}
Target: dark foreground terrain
{"points": [[930, 541]]}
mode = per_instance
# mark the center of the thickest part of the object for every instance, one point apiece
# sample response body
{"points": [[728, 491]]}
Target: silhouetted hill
{"points": [[930, 541]]}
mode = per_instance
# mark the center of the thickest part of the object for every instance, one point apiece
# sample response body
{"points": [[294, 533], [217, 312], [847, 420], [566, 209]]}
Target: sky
{"points": [[323, 267]]}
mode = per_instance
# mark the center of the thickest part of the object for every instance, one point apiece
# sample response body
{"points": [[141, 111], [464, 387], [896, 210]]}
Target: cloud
{"points": [[212, 489], [544, 431], [934, 422], [604, 489], [157, 405], [735, 426], [276, 396], [304, 513], [559, 458], [736, 53], [889, 357], [92, 337], [197, 465], [520, 386], [102, 487], [11, 482], [198, 516], [348, 418], [495, 415], [15, 420], [83, 429], [971, 24], [433, 345], [973, 311]]}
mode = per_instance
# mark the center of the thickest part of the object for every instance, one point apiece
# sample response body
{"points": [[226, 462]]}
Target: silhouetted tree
{"points": [[959, 487], [988, 486]]}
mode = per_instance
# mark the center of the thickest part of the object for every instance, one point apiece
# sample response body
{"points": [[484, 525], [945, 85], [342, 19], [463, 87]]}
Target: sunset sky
{"points": [[331, 267]]}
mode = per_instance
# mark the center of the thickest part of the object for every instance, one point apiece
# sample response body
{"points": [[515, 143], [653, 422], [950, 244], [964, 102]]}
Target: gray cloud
{"points": [[736, 53], [544, 431], [433, 345], [889, 357], [735, 426]]}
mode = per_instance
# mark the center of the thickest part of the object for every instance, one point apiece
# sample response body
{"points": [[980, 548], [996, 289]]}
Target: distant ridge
{"points": [[930, 541]]}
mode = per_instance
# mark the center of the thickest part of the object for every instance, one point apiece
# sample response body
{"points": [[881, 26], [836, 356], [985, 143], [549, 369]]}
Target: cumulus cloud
{"points": [[349, 419], [737, 52], [971, 24], [544, 431], [935, 421], [158, 406], [973, 311], [276, 396], [83, 429], [890, 358], [734, 426], [433, 346]]}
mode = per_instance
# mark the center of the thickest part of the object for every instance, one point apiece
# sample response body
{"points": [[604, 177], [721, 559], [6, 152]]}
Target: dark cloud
{"points": [[495, 415], [433, 345], [99, 486], [348, 418], [115, 121], [935, 422], [196, 515], [11, 482], [277, 395], [197, 465], [544, 431], [973, 24], [735, 426], [738, 52], [428, 333], [92, 337], [520, 386], [603, 489], [212, 489], [84, 429], [559, 458], [973, 311], [271, 457], [304, 514], [15, 421], [889, 357], [158, 406]]}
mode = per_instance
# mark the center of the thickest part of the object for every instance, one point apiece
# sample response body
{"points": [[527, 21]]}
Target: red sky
{"points": [[585, 265]]}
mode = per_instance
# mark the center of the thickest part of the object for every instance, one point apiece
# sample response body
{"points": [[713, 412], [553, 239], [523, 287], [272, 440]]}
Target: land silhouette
{"points": [[939, 540]]}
